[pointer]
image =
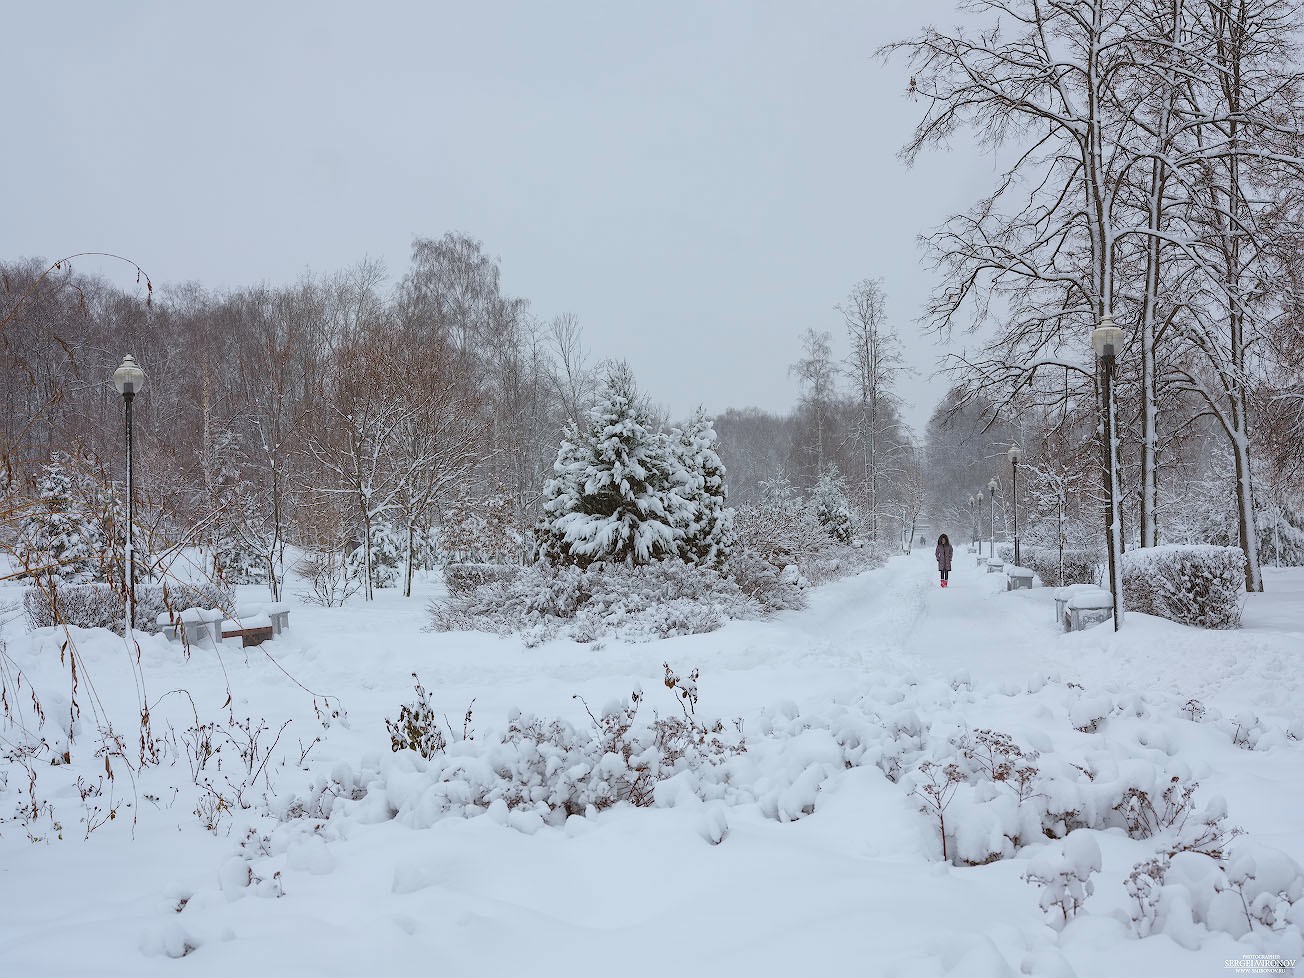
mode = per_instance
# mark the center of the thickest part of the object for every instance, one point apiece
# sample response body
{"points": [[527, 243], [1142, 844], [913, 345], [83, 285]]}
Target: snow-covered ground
{"points": [[807, 859]]}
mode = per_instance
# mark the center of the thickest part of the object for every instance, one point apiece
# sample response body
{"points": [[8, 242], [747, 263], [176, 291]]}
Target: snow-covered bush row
{"points": [[1105, 767], [657, 600], [1197, 585], [1081, 566], [103, 605], [548, 768]]}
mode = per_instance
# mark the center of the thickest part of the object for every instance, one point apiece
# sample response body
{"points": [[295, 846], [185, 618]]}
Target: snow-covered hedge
{"points": [[1196, 585], [985, 795], [657, 600], [461, 578], [103, 605], [1080, 566]]}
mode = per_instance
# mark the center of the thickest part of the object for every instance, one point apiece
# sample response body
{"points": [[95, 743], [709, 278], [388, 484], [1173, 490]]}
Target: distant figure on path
{"points": [[943, 552]]}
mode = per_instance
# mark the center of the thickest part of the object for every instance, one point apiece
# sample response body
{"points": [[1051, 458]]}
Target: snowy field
{"points": [[800, 857]]}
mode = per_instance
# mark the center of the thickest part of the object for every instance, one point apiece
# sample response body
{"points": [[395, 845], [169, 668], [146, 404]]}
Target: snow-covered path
{"points": [[852, 886]]}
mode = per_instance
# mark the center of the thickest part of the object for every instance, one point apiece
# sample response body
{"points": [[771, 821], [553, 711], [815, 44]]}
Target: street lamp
{"points": [[1014, 455], [973, 520], [1106, 341], [129, 379], [991, 488]]}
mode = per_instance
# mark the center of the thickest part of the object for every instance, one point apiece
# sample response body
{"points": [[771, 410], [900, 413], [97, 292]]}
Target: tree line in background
{"points": [[845, 444], [332, 417], [358, 433], [1151, 156]]}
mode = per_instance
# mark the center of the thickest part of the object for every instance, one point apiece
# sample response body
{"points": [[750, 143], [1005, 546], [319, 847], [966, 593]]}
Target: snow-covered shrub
{"points": [[995, 755], [83, 605], [657, 600], [1196, 585], [461, 578], [1063, 870], [331, 581], [103, 606], [551, 769], [782, 529], [1250, 888], [417, 727], [1146, 815], [774, 588], [935, 785], [481, 530]]}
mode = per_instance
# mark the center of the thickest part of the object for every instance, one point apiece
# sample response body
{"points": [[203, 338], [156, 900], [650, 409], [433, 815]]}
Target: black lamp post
{"points": [[1014, 455], [1106, 340], [991, 488], [129, 379]]}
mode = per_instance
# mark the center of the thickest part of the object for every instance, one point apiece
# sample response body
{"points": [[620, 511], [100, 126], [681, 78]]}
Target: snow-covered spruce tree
{"points": [[61, 538], [388, 548], [831, 507], [613, 494], [707, 534]]}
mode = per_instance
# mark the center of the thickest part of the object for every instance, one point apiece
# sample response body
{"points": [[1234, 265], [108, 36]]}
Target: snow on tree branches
{"points": [[626, 492]]}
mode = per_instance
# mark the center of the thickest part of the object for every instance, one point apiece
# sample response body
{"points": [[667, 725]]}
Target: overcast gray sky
{"points": [[698, 182]]}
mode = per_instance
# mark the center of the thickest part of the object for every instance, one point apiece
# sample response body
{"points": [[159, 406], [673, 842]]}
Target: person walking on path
{"points": [[943, 552]]}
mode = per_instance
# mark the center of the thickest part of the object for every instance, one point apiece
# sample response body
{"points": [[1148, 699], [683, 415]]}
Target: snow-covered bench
{"points": [[250, 629], [169, 626], [981, 559], [1087, 608], [1018, 578], [1062, 595], [995, 565], [277, 611], [200, 626]]}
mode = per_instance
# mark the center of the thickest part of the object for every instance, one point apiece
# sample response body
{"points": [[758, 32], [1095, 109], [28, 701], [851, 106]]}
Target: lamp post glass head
{"points": [[1107, 339], [991, 486], [1015, 454], [980, 497], [129, 378]]}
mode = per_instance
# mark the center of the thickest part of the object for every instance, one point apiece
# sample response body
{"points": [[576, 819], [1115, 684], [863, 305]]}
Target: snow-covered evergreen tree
{"points": [[831, 507], [388, 549], [707, 534], [613, 496], [62, 539]]}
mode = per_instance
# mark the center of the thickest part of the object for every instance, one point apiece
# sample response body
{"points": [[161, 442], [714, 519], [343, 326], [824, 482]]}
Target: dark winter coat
{"points": [[943, 552]]}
